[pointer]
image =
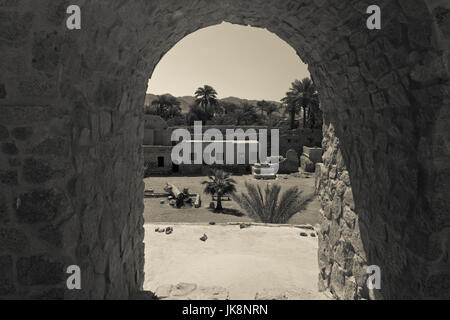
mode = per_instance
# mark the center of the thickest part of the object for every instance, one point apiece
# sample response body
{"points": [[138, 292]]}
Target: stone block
{"points": [[105, 123], [52, 146], [318, 177], [288, 165], [349, 217], [6, 267], [4, 214], [306, 164], [163, 292], [14, 162], [51, 235], [46, 51], [340, 189], [336, 209], [344, 255], [337, 281], [314, 154], [345, 177], [351, 289], [6, 276], [13, 241], [8, 178], [25, 115], [15, 26], [359, 270], [4, 134], [39, 206], [39, 270], [2, 91], [10, 149], [22, 133], [437, 286], [348, 199], [37, 171]]}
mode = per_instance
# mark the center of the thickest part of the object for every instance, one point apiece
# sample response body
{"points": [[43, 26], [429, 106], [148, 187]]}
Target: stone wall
{"points": [[70, 161], [297, 139], [342, 255], [151, 161], [71, 132]]}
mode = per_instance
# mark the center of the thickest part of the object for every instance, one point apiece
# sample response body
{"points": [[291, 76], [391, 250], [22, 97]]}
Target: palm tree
{"points": [[220, 184], [167, 106], [206, 97], [228, 107], [270, 108], [196, 113], [315, 115], [269, 207], [299, 96], [249, 116], [262, 105]]}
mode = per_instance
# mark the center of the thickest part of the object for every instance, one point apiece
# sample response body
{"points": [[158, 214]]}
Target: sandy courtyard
{"points": [[256, 262]]}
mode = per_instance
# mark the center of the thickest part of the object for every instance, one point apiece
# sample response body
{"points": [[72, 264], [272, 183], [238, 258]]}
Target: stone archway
{"points": [[71, 130]]}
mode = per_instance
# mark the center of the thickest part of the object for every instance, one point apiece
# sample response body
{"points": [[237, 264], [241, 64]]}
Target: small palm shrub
{"points": [[220, 184], [268, 206]]}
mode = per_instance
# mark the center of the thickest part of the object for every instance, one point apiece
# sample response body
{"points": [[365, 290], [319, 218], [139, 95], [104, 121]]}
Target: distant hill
{"points": [[187, 101]]}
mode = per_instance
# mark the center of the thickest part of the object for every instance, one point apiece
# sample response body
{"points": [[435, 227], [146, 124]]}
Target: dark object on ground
{"points": [[204, 238], [212, 223], [245, 225], [303, 234], [313, 235], [169, 230], [179, 197]]}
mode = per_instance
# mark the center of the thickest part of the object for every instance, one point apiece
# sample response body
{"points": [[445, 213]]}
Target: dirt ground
{"points": [[156, 212], [258, 262]]}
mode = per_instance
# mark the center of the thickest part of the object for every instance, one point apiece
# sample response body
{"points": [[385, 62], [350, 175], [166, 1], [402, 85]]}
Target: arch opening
{"points": [[78, 177], [248, 72]]}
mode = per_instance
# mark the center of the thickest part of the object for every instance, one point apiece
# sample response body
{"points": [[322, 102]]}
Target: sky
{"points": [[240, 61]]}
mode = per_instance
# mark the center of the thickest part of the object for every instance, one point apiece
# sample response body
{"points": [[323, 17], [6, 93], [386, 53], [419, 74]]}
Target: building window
{"points": [[160, 162]]}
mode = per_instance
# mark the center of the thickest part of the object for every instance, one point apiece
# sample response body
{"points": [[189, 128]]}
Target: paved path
{"points": [[253, 263]]}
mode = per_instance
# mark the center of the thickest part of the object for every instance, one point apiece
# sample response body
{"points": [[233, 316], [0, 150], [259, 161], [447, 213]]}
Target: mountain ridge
{"points": [[187, 101]]}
